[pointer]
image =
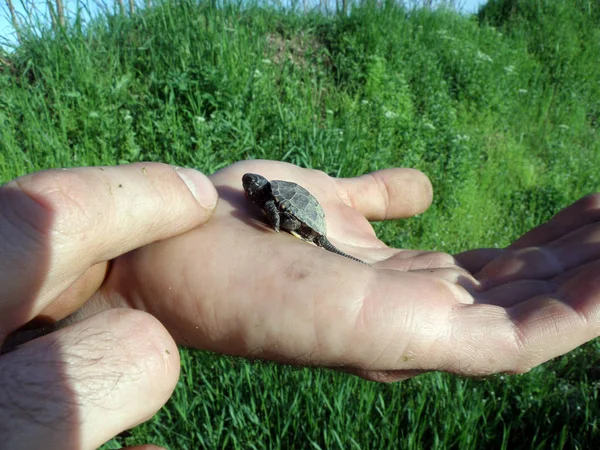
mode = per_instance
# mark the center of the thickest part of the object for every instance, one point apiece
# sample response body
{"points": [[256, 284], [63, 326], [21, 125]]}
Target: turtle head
{"points": [[254, 186]]}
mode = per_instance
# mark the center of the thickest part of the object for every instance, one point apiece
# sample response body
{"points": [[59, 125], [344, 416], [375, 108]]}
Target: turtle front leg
{"points": [[272, 214], [290, 223]]}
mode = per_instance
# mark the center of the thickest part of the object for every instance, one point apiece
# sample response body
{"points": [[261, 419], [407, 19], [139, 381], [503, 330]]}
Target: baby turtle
{"points": [[292, 208]]}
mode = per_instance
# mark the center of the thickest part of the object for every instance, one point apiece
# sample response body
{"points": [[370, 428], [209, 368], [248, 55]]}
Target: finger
{"points": [[415, 259], [456, 276], [56, 224], [528, 333], [82, 385], [77, 294], [387, 194], [475, 260], [552, 325], [581, 213], [584, 211], [75, 298], [438, 264], [510, 294], [514, 292], [389, 376], [544, 262]]}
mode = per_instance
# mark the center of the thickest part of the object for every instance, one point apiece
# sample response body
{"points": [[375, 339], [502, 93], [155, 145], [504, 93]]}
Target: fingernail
{"points": [[200, 186]]}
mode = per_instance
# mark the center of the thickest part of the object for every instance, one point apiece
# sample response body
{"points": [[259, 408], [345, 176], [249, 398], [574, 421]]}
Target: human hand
{"points": [[547, 283], [234, 286], [58, 229]]}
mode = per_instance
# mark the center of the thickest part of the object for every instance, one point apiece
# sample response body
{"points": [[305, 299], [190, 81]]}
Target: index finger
{"points": [[387, 194], [583, 212]]}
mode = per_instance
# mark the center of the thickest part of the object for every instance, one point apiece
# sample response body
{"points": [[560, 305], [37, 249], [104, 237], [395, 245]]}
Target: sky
{"points": [[470, 6], [7, 34]]}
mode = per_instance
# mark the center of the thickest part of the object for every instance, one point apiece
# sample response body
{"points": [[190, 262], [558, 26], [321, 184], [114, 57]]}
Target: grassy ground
{"points": [[500, 110]]}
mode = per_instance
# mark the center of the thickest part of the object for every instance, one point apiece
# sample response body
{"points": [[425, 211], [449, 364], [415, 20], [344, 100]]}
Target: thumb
{"points": [[60, 227]]}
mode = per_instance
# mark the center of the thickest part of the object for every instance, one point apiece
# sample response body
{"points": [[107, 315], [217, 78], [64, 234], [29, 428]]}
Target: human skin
{"points": [[79, 386], [234, 286], [238, 288]]}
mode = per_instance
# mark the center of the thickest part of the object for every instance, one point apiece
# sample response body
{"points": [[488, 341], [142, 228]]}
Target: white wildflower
{"points": [[444, 35], [390, 115], [482, 56]]}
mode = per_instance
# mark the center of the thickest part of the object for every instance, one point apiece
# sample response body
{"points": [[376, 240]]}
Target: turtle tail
{"points": [[322, 241]]}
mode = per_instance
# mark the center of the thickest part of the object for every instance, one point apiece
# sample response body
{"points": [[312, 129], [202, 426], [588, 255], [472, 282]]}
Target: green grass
{"points": [[500, 110]]}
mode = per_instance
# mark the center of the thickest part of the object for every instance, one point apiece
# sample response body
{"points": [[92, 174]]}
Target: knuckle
{"points": [[55, 203], [383, 189], [591, 201]]}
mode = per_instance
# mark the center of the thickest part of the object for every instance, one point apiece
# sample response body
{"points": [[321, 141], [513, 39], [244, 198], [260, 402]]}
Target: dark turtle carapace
{"points": [[292, 208]]}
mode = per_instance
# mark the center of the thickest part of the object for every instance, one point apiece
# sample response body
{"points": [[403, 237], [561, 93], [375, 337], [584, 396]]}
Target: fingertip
{"points": [[584, 211], [411, 187], [200, 187], [389, 193]]}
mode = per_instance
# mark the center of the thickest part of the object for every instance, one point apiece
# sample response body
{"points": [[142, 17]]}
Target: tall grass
{"points": [[499, 109]]}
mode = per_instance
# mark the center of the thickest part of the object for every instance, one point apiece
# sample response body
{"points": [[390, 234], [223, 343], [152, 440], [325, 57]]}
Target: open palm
{"points": [[235, 286]]}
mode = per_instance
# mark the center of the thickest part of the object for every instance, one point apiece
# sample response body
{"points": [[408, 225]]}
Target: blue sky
{"points": [[7, 32], [472, 5]]}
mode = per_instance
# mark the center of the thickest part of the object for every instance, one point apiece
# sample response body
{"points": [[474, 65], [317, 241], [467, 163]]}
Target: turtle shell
{"points": [[297, 201]]}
